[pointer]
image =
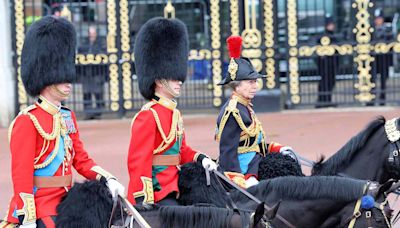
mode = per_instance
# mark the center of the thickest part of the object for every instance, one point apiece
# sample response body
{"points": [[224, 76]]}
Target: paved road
{"points": [[311, 133]]}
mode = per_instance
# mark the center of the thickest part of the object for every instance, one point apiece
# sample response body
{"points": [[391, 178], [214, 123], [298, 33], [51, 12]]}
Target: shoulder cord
{"points": [[59, 129], [175, 131]]}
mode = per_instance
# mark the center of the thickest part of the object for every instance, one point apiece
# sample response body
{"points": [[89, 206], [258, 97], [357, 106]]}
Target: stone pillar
{"points": [[7, 82]]}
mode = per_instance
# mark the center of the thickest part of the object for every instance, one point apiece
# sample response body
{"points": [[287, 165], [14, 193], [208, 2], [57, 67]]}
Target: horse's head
{"points": [[393, 137], [372, 210], [262, 217], [371, 144]]}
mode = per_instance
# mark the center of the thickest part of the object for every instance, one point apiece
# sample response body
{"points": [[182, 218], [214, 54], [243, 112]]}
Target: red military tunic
{"points": [[155, 131], [31, 153]]}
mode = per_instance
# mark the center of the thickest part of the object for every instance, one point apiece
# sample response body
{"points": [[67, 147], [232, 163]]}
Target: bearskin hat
{"points": [[48, 54], [161, 52]]}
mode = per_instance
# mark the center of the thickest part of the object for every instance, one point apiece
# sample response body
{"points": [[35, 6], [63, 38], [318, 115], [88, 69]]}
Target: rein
{"points": [[393, 135], [219, 176], [134, 215], [369, 189]]}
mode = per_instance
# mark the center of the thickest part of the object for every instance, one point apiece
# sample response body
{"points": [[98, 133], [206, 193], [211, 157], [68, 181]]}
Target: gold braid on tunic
{"points": [[59, 129], [247, 133], [176, 126]]}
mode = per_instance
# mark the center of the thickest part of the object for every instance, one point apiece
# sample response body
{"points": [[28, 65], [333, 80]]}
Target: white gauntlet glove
{"points": [[287, 150], [209, 164], [116, 188], [251, 182]]}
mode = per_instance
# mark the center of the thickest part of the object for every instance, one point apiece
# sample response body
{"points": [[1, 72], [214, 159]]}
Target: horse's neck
{"points": [[307, 213], [367, 165]]}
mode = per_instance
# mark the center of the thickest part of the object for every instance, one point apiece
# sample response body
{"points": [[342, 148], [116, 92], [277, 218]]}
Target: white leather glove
{"points": [[116, 188], [208, 164], [251, 182], [31, 225], [287, 150]]}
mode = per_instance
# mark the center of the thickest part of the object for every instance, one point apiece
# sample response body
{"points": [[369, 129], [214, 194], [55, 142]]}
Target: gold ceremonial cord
{"points": [[45, 146], [252, 131], [175, 131], [56, 126], [176, 126], [58, 130], [48, 161]]}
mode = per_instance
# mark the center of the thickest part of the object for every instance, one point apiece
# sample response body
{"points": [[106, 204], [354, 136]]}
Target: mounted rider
{"points": [[158, 145], [242, 140], [44, 138]]}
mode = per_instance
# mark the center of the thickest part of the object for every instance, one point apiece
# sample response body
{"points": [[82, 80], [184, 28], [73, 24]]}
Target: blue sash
{"points": [[245, 159], [52, 168]]}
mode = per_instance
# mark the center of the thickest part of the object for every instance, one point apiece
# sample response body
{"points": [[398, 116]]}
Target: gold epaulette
{"points": [[229, 109], [24, 111], [145, 107], [232, 105], [148, 105], [27, 109]]}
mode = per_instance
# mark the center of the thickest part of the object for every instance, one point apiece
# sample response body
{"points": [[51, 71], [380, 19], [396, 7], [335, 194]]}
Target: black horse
{"points": [[319, 201], [369, 156], [90, 205]]}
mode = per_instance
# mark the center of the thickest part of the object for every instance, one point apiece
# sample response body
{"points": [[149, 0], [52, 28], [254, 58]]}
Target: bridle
{"points": [[133, 215], [365, 204], [393, 135], [222, 178]]}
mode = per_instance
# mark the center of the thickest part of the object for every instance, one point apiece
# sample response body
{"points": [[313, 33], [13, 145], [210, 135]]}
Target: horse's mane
{"points": [[307, 188], [346, 153], [191, 216]]}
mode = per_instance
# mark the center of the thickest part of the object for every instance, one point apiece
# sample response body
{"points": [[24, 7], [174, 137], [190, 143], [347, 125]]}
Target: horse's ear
{"points": [[271, 213], [259, 213], [385, 187], [395, 188]]}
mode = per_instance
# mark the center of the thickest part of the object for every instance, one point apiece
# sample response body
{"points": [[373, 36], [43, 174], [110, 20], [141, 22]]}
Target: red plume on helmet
{"points": [[234, 46], [239, 68]]}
